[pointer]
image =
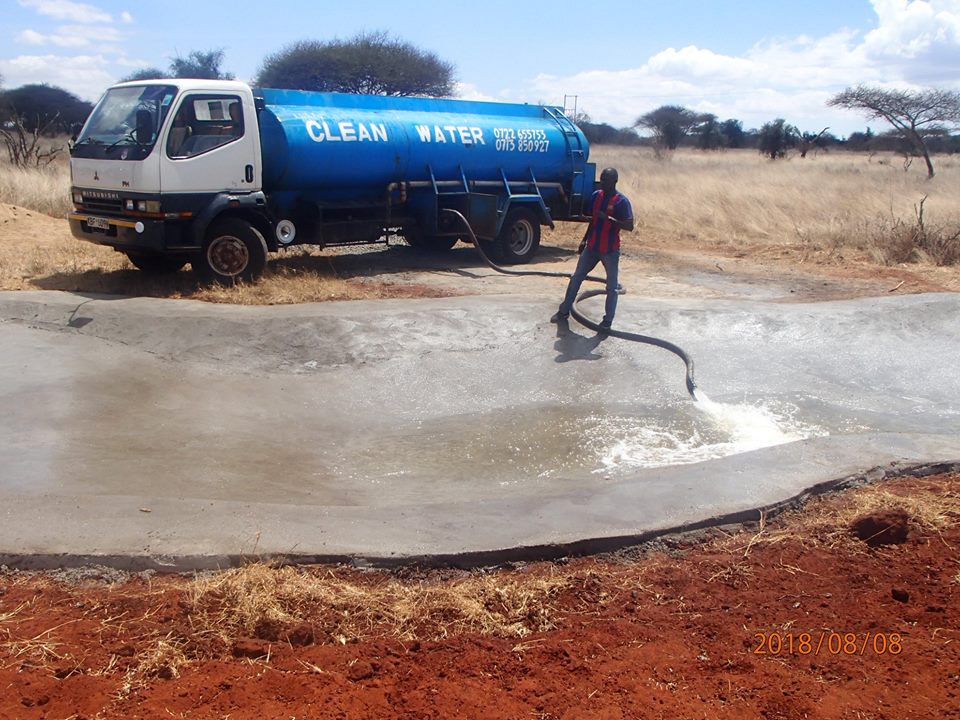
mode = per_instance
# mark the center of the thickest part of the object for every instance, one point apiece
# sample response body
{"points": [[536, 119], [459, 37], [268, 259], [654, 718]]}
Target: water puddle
{"points": [[551, 446]]}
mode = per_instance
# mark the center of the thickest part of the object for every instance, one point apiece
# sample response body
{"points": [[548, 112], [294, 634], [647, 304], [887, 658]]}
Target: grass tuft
{"points": [[262, 601]]}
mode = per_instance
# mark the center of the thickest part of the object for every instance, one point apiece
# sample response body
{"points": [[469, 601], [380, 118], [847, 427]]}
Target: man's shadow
{"points": [[573, 346]]}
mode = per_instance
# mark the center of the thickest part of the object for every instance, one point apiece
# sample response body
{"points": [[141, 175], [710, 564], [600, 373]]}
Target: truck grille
{"points": [[102, 204]]}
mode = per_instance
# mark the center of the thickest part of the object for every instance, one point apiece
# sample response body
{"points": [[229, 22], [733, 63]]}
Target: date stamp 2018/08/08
{"points": [[826, 642]]}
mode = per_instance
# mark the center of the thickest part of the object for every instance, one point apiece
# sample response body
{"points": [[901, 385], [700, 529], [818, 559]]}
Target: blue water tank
{"points": [[352, 146]]}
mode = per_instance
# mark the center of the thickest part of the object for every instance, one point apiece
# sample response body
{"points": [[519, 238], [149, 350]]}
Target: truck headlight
{"points": [[78, 198], [153, 206], [129, 205]]}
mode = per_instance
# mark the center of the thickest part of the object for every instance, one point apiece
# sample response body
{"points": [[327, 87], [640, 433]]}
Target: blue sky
{"points": [[754, 60]]}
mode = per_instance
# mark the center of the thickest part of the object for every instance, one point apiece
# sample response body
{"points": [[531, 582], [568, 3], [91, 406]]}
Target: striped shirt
{"points": [[603, 236]]}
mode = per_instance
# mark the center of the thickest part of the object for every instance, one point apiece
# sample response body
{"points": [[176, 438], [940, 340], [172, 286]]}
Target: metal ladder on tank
{"points": [[575, 152]]}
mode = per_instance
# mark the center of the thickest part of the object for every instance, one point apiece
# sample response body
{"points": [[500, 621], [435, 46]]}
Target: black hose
{"points": [[580, 317]]}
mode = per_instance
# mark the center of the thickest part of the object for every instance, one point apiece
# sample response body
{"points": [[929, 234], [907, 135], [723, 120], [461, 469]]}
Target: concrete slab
{"points": [[176, 434]]}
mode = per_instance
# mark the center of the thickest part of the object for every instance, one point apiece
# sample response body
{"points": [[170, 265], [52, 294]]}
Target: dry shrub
{"points": [[901, 241], [247, 601]]}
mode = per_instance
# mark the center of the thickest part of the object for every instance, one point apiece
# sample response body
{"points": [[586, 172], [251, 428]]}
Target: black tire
{"points": [[157, 264], [233, 250], [429, 243], [519, 237]]}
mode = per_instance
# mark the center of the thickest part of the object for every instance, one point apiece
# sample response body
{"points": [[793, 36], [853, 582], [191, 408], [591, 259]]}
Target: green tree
{"points": [[44, 107], [733, 134], [151, 73], [709, 136], [776, 138], [669, 124], [199, 64], [204, 65], [369, 63], [914, 115]]}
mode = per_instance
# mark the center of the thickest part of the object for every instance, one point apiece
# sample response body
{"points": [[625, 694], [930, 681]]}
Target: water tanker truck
{"points": [[218, 174]]}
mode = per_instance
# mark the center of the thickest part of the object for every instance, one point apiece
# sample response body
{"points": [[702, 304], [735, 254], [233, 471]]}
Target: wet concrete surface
{"points": [[161, 433]]}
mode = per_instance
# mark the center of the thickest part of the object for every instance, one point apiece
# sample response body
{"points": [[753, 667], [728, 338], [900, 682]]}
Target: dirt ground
{"points": [[847, 608], [37, 252], [793, 617]]}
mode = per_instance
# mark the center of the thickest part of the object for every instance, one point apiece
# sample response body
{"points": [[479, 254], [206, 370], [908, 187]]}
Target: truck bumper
{"points": [[129, 235]]}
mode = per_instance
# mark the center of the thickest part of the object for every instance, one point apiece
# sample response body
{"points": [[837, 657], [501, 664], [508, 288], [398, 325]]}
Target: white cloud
{"points": [[58, 38], [469, 91], [126, 17], [84, 75], [915, 43], [68, 10]]}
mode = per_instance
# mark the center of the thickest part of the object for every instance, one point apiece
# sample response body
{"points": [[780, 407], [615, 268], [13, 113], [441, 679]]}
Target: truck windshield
{"points": [[111, 131]]}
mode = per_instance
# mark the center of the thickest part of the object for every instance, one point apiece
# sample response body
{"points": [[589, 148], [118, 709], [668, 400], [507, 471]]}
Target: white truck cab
{"points": [[156, 157]]}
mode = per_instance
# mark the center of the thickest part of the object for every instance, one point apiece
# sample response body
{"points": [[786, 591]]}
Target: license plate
{"points": [[98, 223]]}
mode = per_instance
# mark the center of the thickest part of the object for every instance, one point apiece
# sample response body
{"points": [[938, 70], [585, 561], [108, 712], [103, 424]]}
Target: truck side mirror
{"points": [[144, 127]]}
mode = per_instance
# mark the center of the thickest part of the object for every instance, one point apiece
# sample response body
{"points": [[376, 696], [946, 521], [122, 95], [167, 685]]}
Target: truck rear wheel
{"points": [[519, 237], [156, 264], [234, 250]]}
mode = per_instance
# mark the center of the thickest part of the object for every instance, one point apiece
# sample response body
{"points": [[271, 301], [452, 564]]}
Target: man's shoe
{"points": [[605, 325], [559, 317]]}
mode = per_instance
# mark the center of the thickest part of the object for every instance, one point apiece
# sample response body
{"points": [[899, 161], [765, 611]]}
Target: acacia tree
{"points": [[369, 63], [150, 73], [733, 134], [914, 115], [669, 124], [776, 138], [807, 141], [200, 64], [43, 106]]}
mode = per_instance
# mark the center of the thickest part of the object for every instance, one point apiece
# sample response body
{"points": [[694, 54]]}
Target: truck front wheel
{"points": [[234, 250], [519, 237]]}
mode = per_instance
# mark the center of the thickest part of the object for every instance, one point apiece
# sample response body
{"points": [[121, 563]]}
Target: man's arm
{"points": [[622, 215]]}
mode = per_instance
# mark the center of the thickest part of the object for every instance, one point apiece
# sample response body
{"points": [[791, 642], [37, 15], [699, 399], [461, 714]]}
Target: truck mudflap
{"points": [[122, 234]]}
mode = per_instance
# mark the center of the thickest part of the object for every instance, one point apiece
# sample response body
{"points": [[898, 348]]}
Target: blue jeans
{"points": [[588, 261]]}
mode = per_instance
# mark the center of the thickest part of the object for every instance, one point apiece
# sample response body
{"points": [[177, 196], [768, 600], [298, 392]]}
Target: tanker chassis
{"points": [[217, 174]]}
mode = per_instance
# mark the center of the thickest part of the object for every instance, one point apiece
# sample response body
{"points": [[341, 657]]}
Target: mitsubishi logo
{"points": [[95, 175]]}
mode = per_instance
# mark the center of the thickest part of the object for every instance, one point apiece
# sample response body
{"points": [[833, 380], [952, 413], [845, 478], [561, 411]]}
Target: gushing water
{"points": [[729, 430], [751, 427]]}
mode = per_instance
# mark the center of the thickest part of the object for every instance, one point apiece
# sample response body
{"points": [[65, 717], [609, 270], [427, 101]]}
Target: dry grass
{"points": [[827, 208], [45, 190], [930, 510], [828, 203], [258, 599]]}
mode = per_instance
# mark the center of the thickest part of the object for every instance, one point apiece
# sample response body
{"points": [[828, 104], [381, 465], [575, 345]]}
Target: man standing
{"points": [[610, 212]]}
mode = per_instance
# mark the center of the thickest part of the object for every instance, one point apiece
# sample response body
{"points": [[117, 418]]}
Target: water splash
{"points": [[722, 429], [752, 427]]}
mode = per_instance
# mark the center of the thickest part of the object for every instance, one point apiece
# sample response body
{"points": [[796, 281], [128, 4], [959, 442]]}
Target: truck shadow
{"points": [[369, 260], [126, 283], [365, 263]]}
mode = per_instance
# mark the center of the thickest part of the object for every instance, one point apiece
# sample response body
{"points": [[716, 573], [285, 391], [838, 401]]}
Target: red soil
{"points": [[801, 620]]}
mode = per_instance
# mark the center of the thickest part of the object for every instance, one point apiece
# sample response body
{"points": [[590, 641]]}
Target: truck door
{"points": [[210, 146]]}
